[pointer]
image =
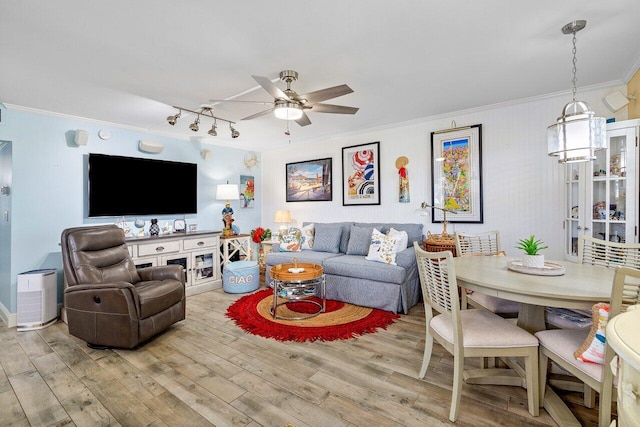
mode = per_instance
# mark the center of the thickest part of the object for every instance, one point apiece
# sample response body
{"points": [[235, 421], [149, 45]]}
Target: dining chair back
{"points": [[468, 333], [608, 254], [559, 345], [486, 243]]}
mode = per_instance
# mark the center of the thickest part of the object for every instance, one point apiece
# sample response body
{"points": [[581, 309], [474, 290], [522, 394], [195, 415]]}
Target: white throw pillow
{"points": [[383, 248], [307, 236], [403, 238]]}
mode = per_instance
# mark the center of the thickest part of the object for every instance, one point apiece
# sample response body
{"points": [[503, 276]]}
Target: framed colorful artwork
{"points": [[456, 174], [247, 191], [309, 181], [361, 174]]}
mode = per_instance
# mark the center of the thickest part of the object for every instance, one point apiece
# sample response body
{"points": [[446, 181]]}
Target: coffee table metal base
{"points": [[298, 292]]}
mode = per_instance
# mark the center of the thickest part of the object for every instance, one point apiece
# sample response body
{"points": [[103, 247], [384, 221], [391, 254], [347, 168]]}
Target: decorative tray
{"points": [[549, 269], [296, 271]]}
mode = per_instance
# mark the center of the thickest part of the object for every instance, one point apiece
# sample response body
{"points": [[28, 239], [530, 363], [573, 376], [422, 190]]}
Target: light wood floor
{"points": [[207, 371]]}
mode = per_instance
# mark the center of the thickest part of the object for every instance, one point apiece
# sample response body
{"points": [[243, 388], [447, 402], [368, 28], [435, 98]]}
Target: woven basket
{"points": [[440, 243]]}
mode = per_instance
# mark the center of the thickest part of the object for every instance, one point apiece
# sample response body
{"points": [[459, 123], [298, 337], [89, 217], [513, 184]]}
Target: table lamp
{"points": [[282, 217], [227, 192]]}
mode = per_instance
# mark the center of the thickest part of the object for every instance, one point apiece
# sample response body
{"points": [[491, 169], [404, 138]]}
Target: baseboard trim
{"points": [[11, 319]]}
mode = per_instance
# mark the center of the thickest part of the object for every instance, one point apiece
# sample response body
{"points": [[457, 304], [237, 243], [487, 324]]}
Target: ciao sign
{"points": [[238, 280]]}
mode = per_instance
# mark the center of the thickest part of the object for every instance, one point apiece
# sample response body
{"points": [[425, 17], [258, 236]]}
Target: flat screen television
{"points": [[120, 186]]}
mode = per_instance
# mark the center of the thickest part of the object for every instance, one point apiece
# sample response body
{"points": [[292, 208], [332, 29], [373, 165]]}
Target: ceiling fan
{"points": [[288, 105]]}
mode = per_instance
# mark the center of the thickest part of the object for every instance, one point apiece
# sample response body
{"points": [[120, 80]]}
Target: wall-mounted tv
{"points": [[120, 186]]}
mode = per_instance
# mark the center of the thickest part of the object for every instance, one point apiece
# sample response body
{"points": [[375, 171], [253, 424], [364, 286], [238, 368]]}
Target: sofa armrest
{"points": [[116, 297], [162, 272]]}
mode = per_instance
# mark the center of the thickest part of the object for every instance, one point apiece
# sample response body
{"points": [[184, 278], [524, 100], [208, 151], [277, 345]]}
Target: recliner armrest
{"points": [[116, 297], [162, 272]]}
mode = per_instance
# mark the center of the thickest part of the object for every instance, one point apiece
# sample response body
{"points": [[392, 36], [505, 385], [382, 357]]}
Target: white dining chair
{"points": [[600, 253], [559, 345], [486, 243], [468, 333]]}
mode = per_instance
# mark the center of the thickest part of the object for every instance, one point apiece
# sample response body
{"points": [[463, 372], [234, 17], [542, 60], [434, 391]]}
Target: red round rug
{"points": [[340, 321]]}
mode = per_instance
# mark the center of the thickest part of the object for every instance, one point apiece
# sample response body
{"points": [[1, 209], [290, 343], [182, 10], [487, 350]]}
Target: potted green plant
{"points": [[531, 247]]}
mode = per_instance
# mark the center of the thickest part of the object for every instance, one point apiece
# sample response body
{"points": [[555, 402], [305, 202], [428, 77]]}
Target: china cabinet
{"points": [[601, 195]]}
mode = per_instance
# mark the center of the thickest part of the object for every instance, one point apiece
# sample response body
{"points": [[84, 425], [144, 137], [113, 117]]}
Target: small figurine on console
{"points": [[227, 220], [154, 229]]}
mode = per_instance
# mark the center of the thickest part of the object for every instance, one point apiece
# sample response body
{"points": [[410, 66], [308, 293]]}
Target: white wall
{"points": [[522, 186]]}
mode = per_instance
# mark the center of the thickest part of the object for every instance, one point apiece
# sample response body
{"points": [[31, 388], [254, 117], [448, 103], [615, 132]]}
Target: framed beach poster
{"points": [[456, 174], [309, 181], [361, 174]]}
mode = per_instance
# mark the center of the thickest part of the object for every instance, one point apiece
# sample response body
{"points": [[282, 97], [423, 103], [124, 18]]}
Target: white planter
{"points": [[535, 261]]}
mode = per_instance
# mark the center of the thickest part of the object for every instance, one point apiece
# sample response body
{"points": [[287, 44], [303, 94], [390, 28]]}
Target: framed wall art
{"points": [[361, 174], [456, 174], [309, 181], [247, 188]]}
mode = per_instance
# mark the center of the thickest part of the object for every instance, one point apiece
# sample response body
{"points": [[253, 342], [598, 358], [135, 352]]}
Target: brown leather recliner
{"points": [[110, 303]]}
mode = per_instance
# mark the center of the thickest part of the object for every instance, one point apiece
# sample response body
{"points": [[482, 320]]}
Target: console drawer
{"points": [[160, 247], [203, 242]]}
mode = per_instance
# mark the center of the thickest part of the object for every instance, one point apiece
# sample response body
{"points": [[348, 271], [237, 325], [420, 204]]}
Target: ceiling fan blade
{"points": [[246, 102], [304, 120], [268, 85], [336, 109], [261, 113], [324, 94]]}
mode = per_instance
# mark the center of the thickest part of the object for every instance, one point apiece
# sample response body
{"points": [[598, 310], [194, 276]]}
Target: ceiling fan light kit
{"points": [[286, 110], [577, 133], [288, 105], [205, 111]]}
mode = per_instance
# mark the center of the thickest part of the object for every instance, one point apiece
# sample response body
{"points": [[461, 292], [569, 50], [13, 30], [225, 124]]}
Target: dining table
{"points": [[564, 284]]}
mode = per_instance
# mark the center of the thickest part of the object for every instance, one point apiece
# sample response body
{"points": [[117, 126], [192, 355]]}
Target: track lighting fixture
{"points": [[206, 111], [195, 126], [172, 119], [213, 131], [234, 133]]}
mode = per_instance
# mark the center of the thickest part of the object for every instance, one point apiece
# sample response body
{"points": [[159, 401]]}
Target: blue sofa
{"points": [[341, 248]]}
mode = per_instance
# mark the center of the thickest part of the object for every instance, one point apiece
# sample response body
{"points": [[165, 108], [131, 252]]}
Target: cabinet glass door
{"points": [[203, 266], [573, 216], [182, 261]]}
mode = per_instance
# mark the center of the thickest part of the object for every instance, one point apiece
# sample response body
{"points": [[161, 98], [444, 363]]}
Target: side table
{"points": [[297, 283], [239, 244]]}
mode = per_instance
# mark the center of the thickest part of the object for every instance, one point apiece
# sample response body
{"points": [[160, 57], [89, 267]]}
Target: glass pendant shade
{"points": [[577, 135]]}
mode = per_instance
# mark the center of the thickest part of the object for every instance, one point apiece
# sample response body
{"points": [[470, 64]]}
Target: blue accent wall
{"points": [[49, 186]]}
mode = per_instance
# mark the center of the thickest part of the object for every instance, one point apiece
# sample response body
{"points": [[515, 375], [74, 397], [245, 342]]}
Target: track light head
{"points": [[195, 125], [172, 119], [234, 133], [213, 131]]}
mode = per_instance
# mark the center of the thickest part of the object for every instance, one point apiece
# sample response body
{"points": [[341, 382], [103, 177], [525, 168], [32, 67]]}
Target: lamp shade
{"points": [[577, 135], [227, 192], [282, 216]]}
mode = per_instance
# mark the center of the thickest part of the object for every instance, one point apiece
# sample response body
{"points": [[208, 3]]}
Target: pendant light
{"points": [[578, 134]]}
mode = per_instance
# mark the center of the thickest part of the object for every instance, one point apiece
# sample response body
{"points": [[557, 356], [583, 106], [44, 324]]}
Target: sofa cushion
{"points": [[414, 231], [327, 238], [158, 295], [359, 240], [403, 237], [346, 227], [357, 266], [303, 256]]}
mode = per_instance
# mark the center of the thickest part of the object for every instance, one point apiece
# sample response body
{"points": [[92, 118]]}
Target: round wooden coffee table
{"points": [[297, 283]]}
